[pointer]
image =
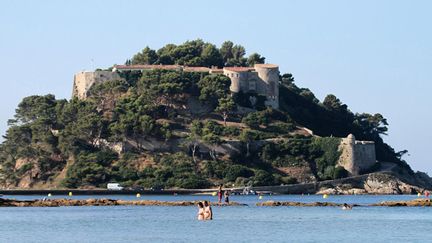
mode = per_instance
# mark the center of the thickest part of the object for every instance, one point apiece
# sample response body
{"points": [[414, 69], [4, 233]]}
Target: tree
{"points": [[371, 125], [247, 136], [255, 119], [211, 56], [147, 125], [193, 140], [166, 54], [332, 103], [306, 93], [146, 56], [287, 79], [226, 50], [238, 52], [226, 105], [213, 87], [213, 140], [36, 108], [188, 53], [255, 58]]}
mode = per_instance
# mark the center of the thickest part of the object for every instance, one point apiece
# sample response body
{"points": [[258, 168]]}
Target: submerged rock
{"points": [[301, 204]]}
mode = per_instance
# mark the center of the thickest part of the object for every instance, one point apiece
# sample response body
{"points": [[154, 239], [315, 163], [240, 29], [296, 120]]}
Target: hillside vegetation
{"points": [[173, 129]]}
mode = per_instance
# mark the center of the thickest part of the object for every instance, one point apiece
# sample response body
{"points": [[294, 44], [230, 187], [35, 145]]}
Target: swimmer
{"points": [[208, 212], [346, 207], [200, 211]]}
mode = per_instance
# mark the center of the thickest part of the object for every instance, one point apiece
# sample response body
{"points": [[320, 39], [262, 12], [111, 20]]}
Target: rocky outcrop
{"points": [[100, 202], [420, 202], [375, 183], [301, 204], [385, 184]]}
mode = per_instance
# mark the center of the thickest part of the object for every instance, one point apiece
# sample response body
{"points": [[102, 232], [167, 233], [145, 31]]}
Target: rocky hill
{"points": [[176, 129]]}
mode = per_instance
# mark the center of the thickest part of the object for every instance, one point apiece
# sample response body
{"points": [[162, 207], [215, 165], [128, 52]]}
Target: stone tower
{"points": [[83, 81], [356, 156], [269, 74]]}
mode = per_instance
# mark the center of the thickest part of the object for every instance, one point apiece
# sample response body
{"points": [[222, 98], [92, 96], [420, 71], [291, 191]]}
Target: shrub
{"points": [[263, 178], [231, 173], [231, 131], [340, 172], [255, 119]]}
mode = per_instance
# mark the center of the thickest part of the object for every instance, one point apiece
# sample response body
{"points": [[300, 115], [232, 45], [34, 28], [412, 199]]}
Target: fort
{"points": [[356, 156], [262, 79]]}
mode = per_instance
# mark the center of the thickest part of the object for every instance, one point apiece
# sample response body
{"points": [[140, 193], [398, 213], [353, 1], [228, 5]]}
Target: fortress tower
{"points": [[262, 79], [83, 81], [269, 74], [356, 156]]}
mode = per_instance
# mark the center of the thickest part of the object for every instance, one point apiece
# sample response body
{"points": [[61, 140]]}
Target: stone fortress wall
{"points": [[356, 156], [262, 78], [83, 81]]}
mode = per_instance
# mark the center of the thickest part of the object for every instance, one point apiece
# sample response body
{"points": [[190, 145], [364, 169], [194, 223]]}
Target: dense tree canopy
{"points": [[197, 53]]}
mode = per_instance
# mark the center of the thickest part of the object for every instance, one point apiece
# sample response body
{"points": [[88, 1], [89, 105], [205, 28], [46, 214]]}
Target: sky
{"points": [[375, 56]]}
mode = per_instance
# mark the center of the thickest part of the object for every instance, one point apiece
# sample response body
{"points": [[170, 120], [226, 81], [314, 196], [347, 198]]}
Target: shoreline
{"points": [[378, 183], [420, 202]]}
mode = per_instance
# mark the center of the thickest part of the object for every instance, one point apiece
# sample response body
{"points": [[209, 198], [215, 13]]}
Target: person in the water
{"points": [[226, 196], [220, 193], [200, 211], [346, 207], [208, 212]]}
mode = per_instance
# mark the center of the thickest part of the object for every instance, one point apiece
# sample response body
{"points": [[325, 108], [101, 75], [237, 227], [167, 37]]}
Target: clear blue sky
{"points": [[375, 56]]}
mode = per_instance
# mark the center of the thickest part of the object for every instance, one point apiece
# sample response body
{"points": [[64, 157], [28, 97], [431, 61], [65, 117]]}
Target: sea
{"points": [[230, 224]]}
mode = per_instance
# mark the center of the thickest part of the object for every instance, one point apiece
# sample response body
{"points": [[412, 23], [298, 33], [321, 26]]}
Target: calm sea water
{"points": [[230, 224]]}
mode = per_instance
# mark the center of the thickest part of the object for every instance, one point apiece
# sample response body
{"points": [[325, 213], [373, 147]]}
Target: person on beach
{"points": [[226, 194], [200, 211], [208, 212], [220, 193]]}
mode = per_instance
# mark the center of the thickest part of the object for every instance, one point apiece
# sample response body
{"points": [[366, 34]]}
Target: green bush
{"points": [[326, 152], [255, 119], [280, 128], [231, 131], [90, 169], [262, 178], [340, 172], [232, 172]]}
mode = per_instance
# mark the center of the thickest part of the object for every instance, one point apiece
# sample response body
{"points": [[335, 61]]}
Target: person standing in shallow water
{"points": [[226, 194], [220, 194], [208, 212], [200, 211]]}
